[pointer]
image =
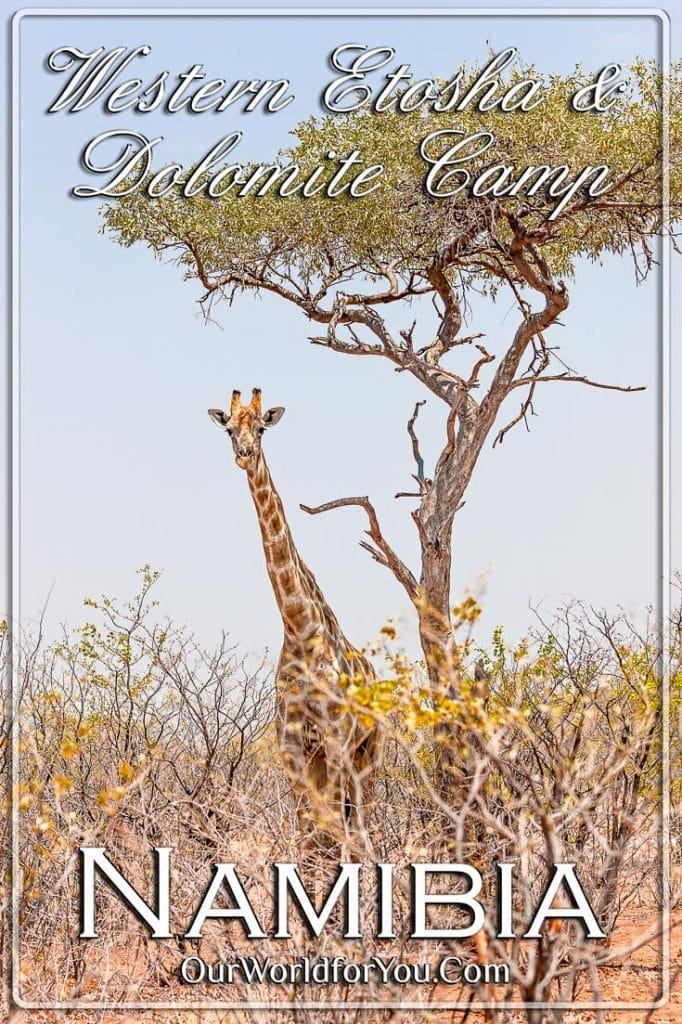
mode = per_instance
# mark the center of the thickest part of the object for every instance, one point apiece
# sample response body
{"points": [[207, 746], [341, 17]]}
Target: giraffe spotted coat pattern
{"points": [[330, 755]]}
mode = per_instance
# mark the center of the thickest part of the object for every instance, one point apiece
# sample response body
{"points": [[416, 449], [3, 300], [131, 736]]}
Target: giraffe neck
{"points": [[300, 601]]}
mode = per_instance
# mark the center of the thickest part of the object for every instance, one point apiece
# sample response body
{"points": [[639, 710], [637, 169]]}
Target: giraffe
{"points": [[330, 755]]}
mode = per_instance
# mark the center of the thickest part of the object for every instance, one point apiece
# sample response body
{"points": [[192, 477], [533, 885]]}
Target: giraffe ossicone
{"points": [[331, 756]]}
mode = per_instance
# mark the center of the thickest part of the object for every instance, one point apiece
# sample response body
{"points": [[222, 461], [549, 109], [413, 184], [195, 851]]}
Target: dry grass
{"points": [[134, 737]]}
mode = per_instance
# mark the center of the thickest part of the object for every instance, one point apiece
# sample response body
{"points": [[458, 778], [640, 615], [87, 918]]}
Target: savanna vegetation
{"points": [[134, 736], [390, 275]]}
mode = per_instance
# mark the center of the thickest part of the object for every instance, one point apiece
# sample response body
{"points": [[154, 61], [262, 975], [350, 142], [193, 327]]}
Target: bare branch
{"points": [[572, 379], [407, 335], [486, 357], [450, 321], [382, 552], [527, 404], [526, 407], [422, 482]]}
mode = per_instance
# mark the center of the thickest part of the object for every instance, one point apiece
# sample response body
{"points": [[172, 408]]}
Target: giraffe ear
{"points": [[273, 416], [218, 416]]}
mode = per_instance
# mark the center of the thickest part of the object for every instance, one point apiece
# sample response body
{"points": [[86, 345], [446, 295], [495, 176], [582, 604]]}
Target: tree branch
{"points": [[382, 553], [526, 407], [422, 483], [568, 378]]}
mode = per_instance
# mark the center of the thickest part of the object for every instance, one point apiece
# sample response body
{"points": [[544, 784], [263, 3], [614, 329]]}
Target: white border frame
{"points": [[664, 459]]}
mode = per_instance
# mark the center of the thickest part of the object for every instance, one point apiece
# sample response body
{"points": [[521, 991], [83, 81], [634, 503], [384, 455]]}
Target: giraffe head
{"points": [[245, 424]]}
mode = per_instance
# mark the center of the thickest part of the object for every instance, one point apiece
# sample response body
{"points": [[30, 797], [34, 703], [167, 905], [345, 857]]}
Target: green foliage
{"points": [[246, 241], [126, 700], [576, 702]]}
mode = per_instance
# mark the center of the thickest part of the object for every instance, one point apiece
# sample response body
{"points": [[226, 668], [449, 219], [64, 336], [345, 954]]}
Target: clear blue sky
{"points": [[121, 465]]}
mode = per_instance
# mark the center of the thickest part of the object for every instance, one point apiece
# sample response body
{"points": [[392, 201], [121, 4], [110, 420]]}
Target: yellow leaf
{"points": [[62, 784]]}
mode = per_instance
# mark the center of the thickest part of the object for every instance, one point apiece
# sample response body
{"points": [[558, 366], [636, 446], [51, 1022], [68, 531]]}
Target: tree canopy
{"points": [[306, 246], [517, 224]]}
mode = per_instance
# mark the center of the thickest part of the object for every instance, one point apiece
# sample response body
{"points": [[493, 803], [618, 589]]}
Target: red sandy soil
{"points": [[635, 978]]}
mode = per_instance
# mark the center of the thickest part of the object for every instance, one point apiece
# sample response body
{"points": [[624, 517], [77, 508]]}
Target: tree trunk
{"points": [[437, 638], [433, 607]]}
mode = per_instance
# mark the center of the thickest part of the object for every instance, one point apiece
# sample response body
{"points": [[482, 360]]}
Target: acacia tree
{"points": [[345, 261]]}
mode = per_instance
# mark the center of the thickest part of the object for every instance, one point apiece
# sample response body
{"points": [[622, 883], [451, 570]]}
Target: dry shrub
{"points": [[133, 736]]}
